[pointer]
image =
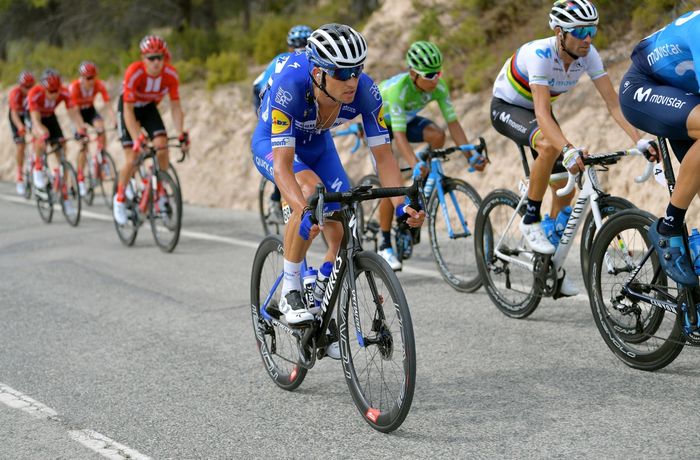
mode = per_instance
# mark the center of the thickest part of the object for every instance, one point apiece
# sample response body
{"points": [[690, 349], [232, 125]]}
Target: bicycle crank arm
{"points": [[461, 235]]}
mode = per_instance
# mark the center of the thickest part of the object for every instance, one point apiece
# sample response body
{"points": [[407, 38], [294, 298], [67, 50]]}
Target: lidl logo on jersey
{"points": [[381, 123], [280, 122]]}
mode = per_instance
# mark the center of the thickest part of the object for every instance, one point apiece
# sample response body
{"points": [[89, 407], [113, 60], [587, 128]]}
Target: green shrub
{"points": [[224, 68], [270, 39], [193, 43], [191, 70]]}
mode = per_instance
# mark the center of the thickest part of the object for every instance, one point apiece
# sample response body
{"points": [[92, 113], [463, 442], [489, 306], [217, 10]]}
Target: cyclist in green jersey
{"points": [[404, 96]]}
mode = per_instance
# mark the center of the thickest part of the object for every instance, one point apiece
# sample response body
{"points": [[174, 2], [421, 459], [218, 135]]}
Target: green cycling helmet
{"points": [[424, 57]]}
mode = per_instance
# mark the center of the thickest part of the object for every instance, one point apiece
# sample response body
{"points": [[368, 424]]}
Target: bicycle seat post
{"points": [[523, 159]]}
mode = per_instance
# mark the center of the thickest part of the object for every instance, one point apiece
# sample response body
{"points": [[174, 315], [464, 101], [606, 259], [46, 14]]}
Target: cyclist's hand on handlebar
{"points": [[477, 162], [137, 147], [184, 140], [81, 135], [419, 170], [308, 227], [413, 218], [650, 149], [573, 158]]}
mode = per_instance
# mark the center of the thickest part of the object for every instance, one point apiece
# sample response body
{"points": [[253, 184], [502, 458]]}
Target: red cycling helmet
{"points": [[26, 78], [87, 69], [51, 80], [153, 44]]}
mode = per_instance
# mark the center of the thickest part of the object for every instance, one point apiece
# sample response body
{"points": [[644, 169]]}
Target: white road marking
{"points": [[105, 446], [91, 439], [243, 243]]}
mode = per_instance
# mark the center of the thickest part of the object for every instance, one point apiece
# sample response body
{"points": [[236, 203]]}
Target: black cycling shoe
{"points": [[673, 257]]}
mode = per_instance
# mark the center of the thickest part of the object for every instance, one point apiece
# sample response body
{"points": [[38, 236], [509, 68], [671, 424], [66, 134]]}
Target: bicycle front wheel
{"points": [[127, 233], [368, 213], [268, 218], [641, 335], [502, 256], [165, 213], [377, 345], [278, 350], [70, 194], [451, 224], [45, 197], [107, 178]]}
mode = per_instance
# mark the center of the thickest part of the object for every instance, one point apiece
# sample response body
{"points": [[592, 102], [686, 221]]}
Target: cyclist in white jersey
{"points": [[521, 108]]}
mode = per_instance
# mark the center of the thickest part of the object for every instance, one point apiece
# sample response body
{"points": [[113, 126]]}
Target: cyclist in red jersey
{"points": [[82, 94], [146, 83], [18, 113], [42, 101]]}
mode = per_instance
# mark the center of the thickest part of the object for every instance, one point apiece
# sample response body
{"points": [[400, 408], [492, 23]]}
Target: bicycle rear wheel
{"points": [[127, 233], [609, 206], [508, 282], [454, 255], [278, 350], [641, 335], [380, 371], [70, 194], [165, 213], [107, 178], [92, 180], [27, 175]]}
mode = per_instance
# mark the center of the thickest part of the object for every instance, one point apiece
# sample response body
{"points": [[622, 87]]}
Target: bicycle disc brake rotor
{"points": [[385, 340]]}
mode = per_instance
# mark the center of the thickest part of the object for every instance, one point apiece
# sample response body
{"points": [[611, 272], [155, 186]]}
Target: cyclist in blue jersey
{"points": [[660, 94], [296, 40], [317, 90]]}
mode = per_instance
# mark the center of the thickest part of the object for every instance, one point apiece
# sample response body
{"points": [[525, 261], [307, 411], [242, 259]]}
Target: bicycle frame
{"points": [[438, 175]]}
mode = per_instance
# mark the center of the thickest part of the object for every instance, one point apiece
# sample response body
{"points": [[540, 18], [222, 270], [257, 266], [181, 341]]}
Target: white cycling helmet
{"points": [[572, 13], [334, 46]]}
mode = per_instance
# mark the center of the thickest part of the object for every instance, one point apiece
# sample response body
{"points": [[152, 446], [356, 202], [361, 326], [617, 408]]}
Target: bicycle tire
{"points": [[623, 337], [264, 193], [27, 176], [609, 206], [44, 199], [72, 193], [387, 410], [128, 232], [108, 177], [490, 266], [89, 197], [170, 217], [173, 174], [462, 281], [282, 372]]}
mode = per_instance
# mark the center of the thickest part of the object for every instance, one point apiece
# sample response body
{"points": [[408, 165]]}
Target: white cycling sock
{"points": [[291, 280]]}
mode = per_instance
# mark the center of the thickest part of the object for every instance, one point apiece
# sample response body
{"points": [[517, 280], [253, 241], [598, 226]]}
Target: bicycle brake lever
{"points": [[318, 212]]}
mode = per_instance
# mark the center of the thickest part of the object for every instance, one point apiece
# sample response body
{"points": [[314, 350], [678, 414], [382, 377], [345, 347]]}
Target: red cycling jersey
{"points": [[140, 88], [38, 102], [17, 100], [83, 97]]}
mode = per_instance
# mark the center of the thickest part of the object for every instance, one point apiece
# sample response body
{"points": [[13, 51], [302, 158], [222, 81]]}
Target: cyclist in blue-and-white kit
{"points": [[317, 90], [296, 40], [521, 108], [660, 93]]}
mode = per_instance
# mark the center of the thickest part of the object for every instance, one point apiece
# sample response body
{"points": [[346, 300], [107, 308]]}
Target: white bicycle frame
{"points": [[588, 196]]}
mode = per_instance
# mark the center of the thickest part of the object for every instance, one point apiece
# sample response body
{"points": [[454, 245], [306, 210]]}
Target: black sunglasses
{"points": [[155, 57]]}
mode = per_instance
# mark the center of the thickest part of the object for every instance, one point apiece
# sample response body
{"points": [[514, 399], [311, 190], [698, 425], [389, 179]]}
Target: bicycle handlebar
{"points": [[361, 193], [606, 159], [480, 148]]}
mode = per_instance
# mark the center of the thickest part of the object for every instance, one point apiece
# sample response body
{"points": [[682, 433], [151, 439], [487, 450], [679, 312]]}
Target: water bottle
{"points": [[429, 185], [309, 281], [694, 243], [548, 228], [321, 282], [561, 220]]}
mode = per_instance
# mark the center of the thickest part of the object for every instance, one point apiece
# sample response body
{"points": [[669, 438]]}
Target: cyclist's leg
{"points": [[19, 152], [87, 116], [99, 124], [127, 143], [152, 122]]}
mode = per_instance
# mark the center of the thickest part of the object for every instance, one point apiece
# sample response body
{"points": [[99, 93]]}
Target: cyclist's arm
{"points": [[543, 112], [607, 92], [38, 127], [283, 166], [16, 119], [108, 105], [178, 116], [74, 114], [132, 124], [388, 169], [404, 148]]}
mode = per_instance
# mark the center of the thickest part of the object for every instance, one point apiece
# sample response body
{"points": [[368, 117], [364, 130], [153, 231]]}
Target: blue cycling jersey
{"points": [[275, 66], [289, 112], [671, 55]]}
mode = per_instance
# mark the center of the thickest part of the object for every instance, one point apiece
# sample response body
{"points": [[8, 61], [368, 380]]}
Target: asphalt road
{"points": [[151, 354]]}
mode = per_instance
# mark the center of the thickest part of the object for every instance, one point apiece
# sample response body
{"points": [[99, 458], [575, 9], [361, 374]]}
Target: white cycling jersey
{"points": [[538, 63]]}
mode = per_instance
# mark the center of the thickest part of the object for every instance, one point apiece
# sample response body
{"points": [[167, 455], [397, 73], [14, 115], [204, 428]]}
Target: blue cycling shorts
{"points": [[414, 129], [320, 156], [658, 109]]}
